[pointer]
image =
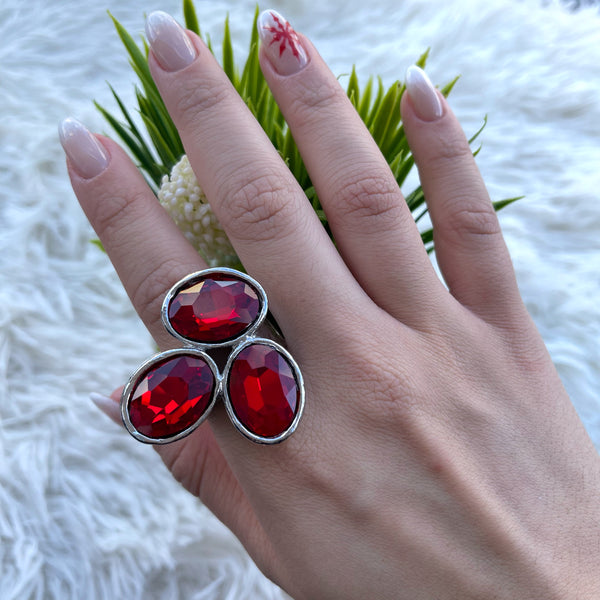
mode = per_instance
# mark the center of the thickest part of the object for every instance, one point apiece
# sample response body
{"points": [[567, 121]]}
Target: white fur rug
{"points": [[87, 512]]}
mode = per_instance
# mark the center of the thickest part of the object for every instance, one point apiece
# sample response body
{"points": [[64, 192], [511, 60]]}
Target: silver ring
{"points": [[173, 392]]}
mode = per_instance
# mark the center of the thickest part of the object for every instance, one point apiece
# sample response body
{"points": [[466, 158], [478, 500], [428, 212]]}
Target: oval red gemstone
{"points": [[171, 396], [216, 309], [263, 391]]}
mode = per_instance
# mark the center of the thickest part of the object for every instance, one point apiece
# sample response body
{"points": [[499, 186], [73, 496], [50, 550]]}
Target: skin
{"points": [[439, 456]]}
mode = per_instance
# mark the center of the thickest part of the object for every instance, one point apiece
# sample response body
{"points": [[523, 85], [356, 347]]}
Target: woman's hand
{"points": [[439, 455]]}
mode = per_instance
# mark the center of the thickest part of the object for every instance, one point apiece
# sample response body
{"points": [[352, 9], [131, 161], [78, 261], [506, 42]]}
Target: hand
{"points": [[439, 455]]}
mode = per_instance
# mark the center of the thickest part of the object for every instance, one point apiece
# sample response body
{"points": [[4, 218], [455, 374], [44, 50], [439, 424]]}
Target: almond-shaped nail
{"points": [[86, 153], [169, 41], [108, 406], [281, 43], [424, 97]]}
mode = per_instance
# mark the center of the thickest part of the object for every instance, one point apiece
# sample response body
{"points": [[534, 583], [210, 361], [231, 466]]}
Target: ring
{"points": [[173, 392]]}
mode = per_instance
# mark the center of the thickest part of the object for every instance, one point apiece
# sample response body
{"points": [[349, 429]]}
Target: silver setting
{"points": [[189, 281], [299, 382], [141, 372], [198, 349]]}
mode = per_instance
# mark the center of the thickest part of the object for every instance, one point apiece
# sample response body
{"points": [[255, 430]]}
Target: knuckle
{"points": [[396, 394], [447, 150], [260, 208], [311, 99], [198, 97], [469, 220], [114, 213], [147, 295], [374, 197], [387, 382]]}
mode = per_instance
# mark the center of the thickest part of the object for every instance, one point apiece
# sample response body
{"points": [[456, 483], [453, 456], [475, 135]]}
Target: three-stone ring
{"points": [[173, 392]]}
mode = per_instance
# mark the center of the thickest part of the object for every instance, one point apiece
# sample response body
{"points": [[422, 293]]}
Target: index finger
{"points": [[145, 246]]}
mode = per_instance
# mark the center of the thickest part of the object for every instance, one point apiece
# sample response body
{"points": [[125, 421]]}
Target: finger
{"points": [[262, 208], [199, 465], [150, 255], [148, 251], [371, 222], [470, 249]]}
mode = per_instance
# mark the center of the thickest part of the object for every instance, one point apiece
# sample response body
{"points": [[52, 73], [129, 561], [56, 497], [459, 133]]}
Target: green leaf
{"points": [[476, 134], [427, 236], [422, 60], [164, 152], [132, 126], [421, 214], [396, 163], [448, 87], [189, 15], [376, 104], [228, 62], [157, 112], [353, 90], [254, 30], [415, 199], [140, 152], [98, 243], [279, 138], [137, 57], [500, 204], [365, 101], [404, 170], [262, 108]]}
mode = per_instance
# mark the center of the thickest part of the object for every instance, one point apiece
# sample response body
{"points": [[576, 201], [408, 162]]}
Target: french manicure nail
{"points": [[108, 406], [169, 41], [88, 155], [423, 95], [281, 43]]}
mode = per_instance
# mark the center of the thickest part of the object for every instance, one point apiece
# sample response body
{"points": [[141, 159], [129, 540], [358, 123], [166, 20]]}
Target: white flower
{"points": [[183, 199]]}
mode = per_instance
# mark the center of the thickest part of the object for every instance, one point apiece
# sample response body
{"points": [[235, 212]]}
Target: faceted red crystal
{"points": [[216, 309], [263, 391], [171, 396]]}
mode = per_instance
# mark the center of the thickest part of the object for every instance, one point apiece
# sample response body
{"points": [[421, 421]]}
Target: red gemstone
{"points": [[171, 396], [263, 391], [216, 309]]}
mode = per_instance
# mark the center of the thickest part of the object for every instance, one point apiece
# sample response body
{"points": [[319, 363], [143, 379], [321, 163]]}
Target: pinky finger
{"points": [[470, 248], [109, 406]]}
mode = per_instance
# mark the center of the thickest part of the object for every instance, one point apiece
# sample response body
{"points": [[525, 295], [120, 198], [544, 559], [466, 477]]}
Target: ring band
{"points": [[173, 392]]}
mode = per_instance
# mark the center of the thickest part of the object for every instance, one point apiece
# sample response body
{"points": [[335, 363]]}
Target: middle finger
{"points": [[265, 213]]}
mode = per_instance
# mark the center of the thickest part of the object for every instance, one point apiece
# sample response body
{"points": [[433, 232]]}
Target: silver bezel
{"points": [[227, 401], [143, 369], [188, 281]]}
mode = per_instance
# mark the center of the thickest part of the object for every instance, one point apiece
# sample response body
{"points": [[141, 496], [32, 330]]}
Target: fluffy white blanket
{"points": [[87, 512]]}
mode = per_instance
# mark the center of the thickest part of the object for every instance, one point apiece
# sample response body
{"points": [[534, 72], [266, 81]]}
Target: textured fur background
{"points": [[85, 511]]}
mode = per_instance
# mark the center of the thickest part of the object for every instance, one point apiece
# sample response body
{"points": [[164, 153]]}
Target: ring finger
{"points": [[372, 224]]}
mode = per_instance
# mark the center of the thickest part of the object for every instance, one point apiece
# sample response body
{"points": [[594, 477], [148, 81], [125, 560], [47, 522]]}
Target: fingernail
{"points": [[169, 41], [281, 43], [423, 95], [108, 406], [86, 153]]}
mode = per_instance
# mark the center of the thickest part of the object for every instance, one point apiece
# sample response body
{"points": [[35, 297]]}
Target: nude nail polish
{"points": [[169, 42], [424, 97], [108, 406], [87, 155], [281, 43]]}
